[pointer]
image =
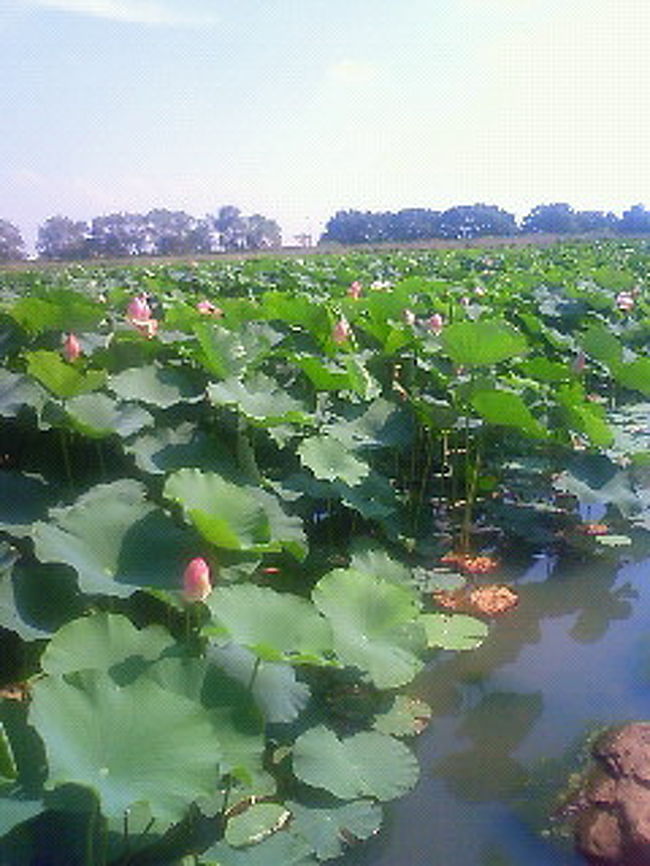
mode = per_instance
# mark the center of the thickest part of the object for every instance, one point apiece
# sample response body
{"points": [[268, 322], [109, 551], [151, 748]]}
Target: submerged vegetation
{"points": [[244, 505]]}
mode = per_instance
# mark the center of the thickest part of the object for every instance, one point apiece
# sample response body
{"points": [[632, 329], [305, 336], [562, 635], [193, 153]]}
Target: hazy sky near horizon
{"points": [[299, 108]]}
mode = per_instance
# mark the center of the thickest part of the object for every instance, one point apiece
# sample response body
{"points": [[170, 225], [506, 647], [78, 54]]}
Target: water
{"points": [[574, 655]]}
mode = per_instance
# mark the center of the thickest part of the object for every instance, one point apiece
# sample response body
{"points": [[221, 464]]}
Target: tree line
{"points": [[163, 232], [159, 232], [472, 221]]}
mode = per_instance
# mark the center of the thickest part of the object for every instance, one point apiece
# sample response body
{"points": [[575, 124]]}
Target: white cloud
{"points": [[130, 11]]}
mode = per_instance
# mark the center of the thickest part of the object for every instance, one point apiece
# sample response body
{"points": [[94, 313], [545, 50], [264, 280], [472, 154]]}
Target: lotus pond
{"points": [[334, 559]]}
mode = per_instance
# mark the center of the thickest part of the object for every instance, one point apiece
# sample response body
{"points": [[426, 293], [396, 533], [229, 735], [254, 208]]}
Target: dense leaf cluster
{"points": [[321, 473]]}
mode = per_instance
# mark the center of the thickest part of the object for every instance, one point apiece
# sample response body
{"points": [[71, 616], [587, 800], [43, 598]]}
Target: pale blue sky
{"points": [[297, 108]]}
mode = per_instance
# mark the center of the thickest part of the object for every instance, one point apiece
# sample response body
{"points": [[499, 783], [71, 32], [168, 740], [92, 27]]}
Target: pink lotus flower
{"points": [[435, 324], [138, 313], [207, 308], [625, 301], [355, 289], [196, 580], [71, 347], [341, 331], [138, 309]]}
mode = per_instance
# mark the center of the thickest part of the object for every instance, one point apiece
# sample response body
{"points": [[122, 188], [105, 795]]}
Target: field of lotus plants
{"points": [[244, 504]]}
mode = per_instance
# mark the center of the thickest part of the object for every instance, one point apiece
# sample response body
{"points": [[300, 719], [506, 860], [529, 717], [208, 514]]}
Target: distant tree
{"points": [[558, 218], [357, 227], [596, 221], [230, 226], [471, 221], [635, 221], [12, 246], [261, 232], [118, 234], [173, 233], [62, 238], [412, 224]]}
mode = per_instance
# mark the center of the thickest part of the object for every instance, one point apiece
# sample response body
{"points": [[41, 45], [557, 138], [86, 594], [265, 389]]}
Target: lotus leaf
{"points": [[375, 625], [368, 764], [125, 742]]}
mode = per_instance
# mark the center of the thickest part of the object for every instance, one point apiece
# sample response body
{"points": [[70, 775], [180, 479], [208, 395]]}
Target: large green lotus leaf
{"points": [[101, 642], [584, 416], [23, 499], [238, 724], [617, 490], [260, 400], [224, 513], [405, 718], [374, 498], [155, 385], [324, 375], [166, 449], [330, 460], [635, 375], [368, 764], [116, 541], [544, 370], [295, 310], [276, 626], [234, 516], [130, 744], [286, 530], [255, 823], [280, 849], [36, 600], [60, 377], [327, 829], [97, 415], [17, 391], [63, 310], [226, 353], [508, 409], [454, 631], [14, 812], [599, 342], [375, 625], [379, 425], [371, 558], [273, 685], [482, 343]]}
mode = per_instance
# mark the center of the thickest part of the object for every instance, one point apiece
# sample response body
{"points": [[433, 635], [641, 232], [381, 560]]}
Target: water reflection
{"points": [[565, 659]]}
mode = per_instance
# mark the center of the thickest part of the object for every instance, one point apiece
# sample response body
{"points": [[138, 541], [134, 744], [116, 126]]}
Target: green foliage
{"points": [[321, 483]]}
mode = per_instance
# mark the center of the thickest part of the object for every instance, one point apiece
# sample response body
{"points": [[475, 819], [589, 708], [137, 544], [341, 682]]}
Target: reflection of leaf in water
{"points": [[479, 775], [501, 720]]}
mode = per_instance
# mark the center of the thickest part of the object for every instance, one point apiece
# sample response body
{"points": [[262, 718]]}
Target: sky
{"points": [[298, 108]]}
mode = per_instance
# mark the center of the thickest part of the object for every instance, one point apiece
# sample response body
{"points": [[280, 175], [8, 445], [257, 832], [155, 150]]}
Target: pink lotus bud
{"points": [[624, 301], [138, 309], [409, 317], [71, 347], [465, 301], [196, 580], [435, 324], [341, 331], [207, 308], [355, 289]]}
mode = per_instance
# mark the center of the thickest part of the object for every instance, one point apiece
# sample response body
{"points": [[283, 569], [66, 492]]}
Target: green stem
{"points": [[256, 668], [63, 438], [246, 452]]}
